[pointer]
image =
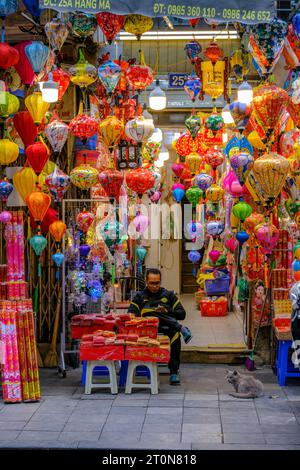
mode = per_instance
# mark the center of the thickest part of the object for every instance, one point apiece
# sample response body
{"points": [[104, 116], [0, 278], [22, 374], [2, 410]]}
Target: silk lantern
{"points": [[203, 181], [36, 106], [139, 129], [37, 54], [241, 164], [140, 76], [9, 56], [82, 25], [192, 50], [38, 243], [271, 171], [9, 104], [38, 203], [25, 181], [25, 127], [194, 256], [111, 130], [194, 195], [57, 32], [82, 73], [83, 127], [214, 193], [58, 183], [137, 25], [6, 188], [242, 210], [57, 230], [57, 134], [192, 86], [84, 220], [50, 216], [177, 169], [178, 194], [268, 103], [109, 74], [110, 24], [140, 180], [267, 236], [84, 176], [111, 180], [37, 155], [23, 67], [215, 228], [193, 161], [9, 152]]}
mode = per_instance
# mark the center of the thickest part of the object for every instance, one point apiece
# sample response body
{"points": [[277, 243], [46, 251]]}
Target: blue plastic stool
{"points": [[101, 370], [285, 368]]}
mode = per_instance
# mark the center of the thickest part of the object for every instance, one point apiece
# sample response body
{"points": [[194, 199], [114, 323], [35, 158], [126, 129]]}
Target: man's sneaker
{"points": [[186, 333], [174, 379]]}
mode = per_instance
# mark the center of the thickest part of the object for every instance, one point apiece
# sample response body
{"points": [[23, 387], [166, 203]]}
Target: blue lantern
{"points": [[95, 290], [296, 24], [109, 74], [215, 228], [37, 54], [203, 181], [192, 50], [242, 237], [6, 188], [296, 265], [194, 256], [58, 259], [178, 194], [33, 7], [193, 86], [8, 7]]}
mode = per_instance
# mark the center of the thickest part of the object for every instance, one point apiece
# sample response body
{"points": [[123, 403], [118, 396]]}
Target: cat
{"points": [[246, 386]]}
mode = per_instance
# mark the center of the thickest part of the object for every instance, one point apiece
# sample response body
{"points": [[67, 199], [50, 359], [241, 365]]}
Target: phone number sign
{"points": [[241, 11]]}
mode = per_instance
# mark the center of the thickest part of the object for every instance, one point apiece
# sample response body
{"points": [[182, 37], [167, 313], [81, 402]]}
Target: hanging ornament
{"points": [[84, 176], [32, 6], [194, 22], [240, 113], [185, 144], [214, 122], [231, 244], [141, 223], [193, 162], [194, 257], [214, 255], [9, 152], [269, 102], [267, 236], [214, 158], [57, 134], [203, 181], [213, 52], [178, 194], [240, 64], [109, 74], [242, 210], [38, 243], [177, 169], [140, 180], [83, 127], [215, 228], [141, 253], [57, 230], [23, 66], [241, 164], [50, 216], [253, 221], [151, 150], [58, 259], [140, 76], [111, 130], [38, 203], [111, 180], [9, 56], [36, 106], [111, 233], [192, 86], [5, 217], [195, 231], [57, 32], [194, 195], [271, 171], [82, 73], [6, 188], [137, 25], [110, 24], [37, 54], [8, 7], [25, 127], [139, 129], [9, 104], [242, 237], [84, 220], [193, 50], [58, 183], [214, 193], [83, 25], [25, 181], [193, 125], [37, 156]]}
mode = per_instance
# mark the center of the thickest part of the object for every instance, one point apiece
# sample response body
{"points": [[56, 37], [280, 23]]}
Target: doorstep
{"points": [[215, 354]]}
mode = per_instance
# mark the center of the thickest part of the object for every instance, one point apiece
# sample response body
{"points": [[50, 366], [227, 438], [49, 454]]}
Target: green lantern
{"points": [[214, 122], [242, 210], [193, 125], [141, 253], [110, 232], [194, 195], [9, 104], [38, 243]]}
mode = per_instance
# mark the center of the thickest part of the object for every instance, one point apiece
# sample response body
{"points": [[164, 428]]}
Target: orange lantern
{"points": [[57, 230], [38, 203]]}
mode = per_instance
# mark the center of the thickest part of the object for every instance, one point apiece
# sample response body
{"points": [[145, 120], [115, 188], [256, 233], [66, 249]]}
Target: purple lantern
{"points": [[203, 181]]}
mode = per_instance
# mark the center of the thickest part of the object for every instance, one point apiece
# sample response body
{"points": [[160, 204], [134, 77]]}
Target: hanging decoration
{"points": [[37, 156], [111, 130], [6, 188], [9, 152], [137, 25], [36, 106], [110, 24], [58, 183], [193, 125], [25, 127], [215, 228], [242, 210], [9, 104], [84, 176], [9, 56], [83, 127], [267, 236], [37, 54], [140, 76], [60, 77], [193, 50], [139, 129], [194, 257], [38, 243], [38, 203], [111, 180], [57, 134], [57, 230], [268, 103], [82, 73], [203, 181], [192, 86], [109, 74], [25, 181], [57, 32], [82, 25], [32, 6], [193, 161], [194, 195], [140, 180], [241, 163], [23, 66]]}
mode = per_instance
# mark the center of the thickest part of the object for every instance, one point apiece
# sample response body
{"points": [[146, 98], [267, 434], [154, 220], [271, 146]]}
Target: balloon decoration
{"points": [[138, 25], [110, 24]]}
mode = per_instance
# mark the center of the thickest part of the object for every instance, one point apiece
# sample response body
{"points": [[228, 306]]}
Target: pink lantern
{"points": [[155, 197], [236, 190], [177, 169], [141, 223], [231, 244], [214, 255], [268, 236], [228, 180], [177, 185], [5, 217]]}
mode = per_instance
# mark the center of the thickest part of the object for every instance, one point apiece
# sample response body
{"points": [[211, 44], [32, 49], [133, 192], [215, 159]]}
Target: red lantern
{"points": [[111, 181], [186, 144], [268, 103], [23, 67], [37, 155], [186, 174], [50, 216], [9, 56], [110, 24], [83, 127], [140, 180], [84, 220], [140, 76], [62, 78], [214, 158], [213, 52], [294, 111], [194, 22], [25, 127]]}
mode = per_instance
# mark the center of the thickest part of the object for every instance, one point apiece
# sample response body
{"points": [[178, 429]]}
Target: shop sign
{"points": [[240, 11], [177, 80]]}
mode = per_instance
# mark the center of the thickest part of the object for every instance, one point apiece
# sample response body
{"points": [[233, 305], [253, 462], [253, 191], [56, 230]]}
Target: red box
{"points": [[210, 308], [147, 354], [150, 331], [77, 331], [102, 353], [282, 324]]}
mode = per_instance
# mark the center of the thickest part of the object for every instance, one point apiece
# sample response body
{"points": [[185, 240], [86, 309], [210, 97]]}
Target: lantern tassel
{"points": [[194, 271], [3, 30], [39, 271]]}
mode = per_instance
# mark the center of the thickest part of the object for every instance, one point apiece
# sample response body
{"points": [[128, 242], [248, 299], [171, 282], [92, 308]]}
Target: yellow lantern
{"points": [[25, 181], [239, 63], [256, 141], [214, 193], [9, 104], [271, 171], [138, 25], [36, 106], [213, 78], [234, 222], [193, 161], [9, 152], [111, 130]]}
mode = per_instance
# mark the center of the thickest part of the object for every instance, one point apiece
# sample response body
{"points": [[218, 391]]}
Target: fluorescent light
{"points": [[226, 115], [50, 90], [157, 98], [179, 35], [156, 136], [245, 93]]}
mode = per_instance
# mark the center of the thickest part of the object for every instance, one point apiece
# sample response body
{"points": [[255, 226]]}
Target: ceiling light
{"points": [[157, 135], [245, 93], [157, 98], [180, 35], [50, 90], [226, 115]]}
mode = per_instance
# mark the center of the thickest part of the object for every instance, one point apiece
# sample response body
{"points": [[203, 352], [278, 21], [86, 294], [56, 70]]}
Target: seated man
{"points": [[155, 301]]}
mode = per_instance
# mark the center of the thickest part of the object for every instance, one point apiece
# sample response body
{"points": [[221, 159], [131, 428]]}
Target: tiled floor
{"points": [[199, 414]]}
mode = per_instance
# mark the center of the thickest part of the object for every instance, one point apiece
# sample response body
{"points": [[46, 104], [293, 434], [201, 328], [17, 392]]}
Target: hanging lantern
{"points": [[61, 78], [141, 253], [242, 210], [109, 74], [193, 125], [214, 255], [9, 56], [58, 259], [140, 76], [83, 25], [203, 181], [194, 257], [9, 152], [288, 141], [240, 64], [213, 52], [25, 181], [231, 244], [240, 113], [38, 203], [111, 181], [137, 25], [56, 32], [192, 86], [255, 140], [214, 158], [38, 243], [141, 223], [84, 220], [25, 127], [9, 104], [177, 169], [57, 134], [139, 129], [151, 150], [252, 221], [8, 7], [110, 24], [195, 231], [36, 106], [58, 183], [23, 67], [268, 103], [194, 22], [267, 236], [214, 122], [194, 195], [6, 188], [50, 216], [192, 50], [37, 54], [185, 144], [82, 73], [178, 194], [214, 193], [236, 189], [271, 171], [57, 230], [83, 127], [193, 162], [242, 237], [215, 228], [111, 130], [37, 155], [241, 164], [140, 180], [5, 217], [84, 176]]}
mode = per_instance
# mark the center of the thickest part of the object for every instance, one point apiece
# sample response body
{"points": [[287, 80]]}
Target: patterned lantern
{"points": [[192, 86], [83, 73], [57, 133], [193, 161], [50, 216], [240, 63], [36, 106], [111, 181], [6, 188], [83, 25], [215, 228], [83, 127], [140, 76], [185, 144], [193, 125], [177, 169], [25, 127], [57, 230], [241, 164], [203, 181], [138, 25], [9, 152], [213, 52], [271, 171], [192, 50], [84, 220], [269, 102], [151, 150], [294, 111], [252, 221], [267, 236], [60, 77], [58, 183], [23, 67], [214, 158], [111, 130], [56, 32], [140, 180], [9, 56], [37, 155], [38, 203], [84, 176], [8, 7], [194, 257], [110, 24], [240, 113], [194, 195], [38, 243], [139, 129], [109, 74], [9, 104], [214, 193], [242, 210], [37, 54], [214, 122]]}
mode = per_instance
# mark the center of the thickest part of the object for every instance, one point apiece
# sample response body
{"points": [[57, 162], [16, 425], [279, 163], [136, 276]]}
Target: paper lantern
{"points": [[50, 216], [111, 181], [140, 76], [5, 217], [271, 171], [25, 127], [82, 73], [255, 140], [214, 255], [137, 25], [193, 125], [195, 231], [231, 244], [214, 158], [38, 243], [23, 67], [83, 25], [267, 236], [37, 54], [83, 127], [192, 50], [194, 195], [58, 183], [185, 144], [242, 210], [178, 194], [84, 220], [9, 104], [151, 150], [140, 180], [177, 169], [38, 203], [268, 104], [193, 161], [57, 32], [240, 113], [110, 24], [57, 134], [192, 86], [109, 74], [36, 106], [9, 56], [214, 193], [111, 130], [139, 129], [37, 155], [194, 256], [60, 77], [25, 181], [252, 221], [84, 176], [203, 181], [6, 188], [141, 223], [9, 152], [214, 122], [57, 230]]}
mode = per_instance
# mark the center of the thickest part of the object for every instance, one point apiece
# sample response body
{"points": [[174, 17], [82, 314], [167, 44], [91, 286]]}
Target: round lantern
{"points": [[268, 237], [50, 216], [252, 221], [25, 127], [203, 181], [9, 56], [214, 122], [84, 220], [193, 161], [214, 158], [213, 52], [9, 152], [56, 32], [82, 73], [139, 129], [192, 50], [6, 188], [271, 171], [140, 180], [82, 25], [38, 243], [37, 155], [57, 230], [287, 142], [194, 256], [242, 210], [242, 237], [111, 181], [36, 106], [9, 104], [111, 130], [195, 231], [194, 195], [241, 113], [178, 194], [110, 24], [214, 193], [193, 125], [58, 183], [57, 133], [83, 127], [137, 25], [185, 144], [84, 176], [38, 203], [215, 228], [37, 54]]}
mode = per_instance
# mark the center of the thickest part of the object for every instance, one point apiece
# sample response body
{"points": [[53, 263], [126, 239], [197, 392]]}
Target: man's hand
{"points": [[161, 310]]}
